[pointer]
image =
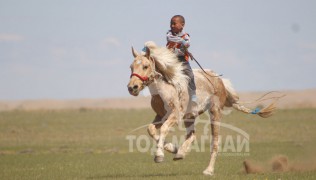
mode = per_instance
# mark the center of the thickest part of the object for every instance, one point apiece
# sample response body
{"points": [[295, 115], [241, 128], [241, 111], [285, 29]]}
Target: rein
{"points": [[191, 56], [262, 98]]}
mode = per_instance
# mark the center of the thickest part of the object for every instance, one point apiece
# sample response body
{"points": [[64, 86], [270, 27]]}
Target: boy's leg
{"points": [[192, 88]]}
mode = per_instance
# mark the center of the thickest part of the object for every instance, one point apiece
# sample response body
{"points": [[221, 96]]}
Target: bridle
{"points": [[143, 78], [146, 79]]}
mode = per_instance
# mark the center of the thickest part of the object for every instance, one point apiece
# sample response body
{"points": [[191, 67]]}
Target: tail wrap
{"points": [[265, 112], [232, 100], [242, 108]]}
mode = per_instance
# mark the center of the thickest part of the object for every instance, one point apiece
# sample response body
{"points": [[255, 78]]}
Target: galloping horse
{"points": [[160, 70]]}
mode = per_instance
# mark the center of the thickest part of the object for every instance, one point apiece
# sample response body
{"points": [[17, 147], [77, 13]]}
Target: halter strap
{"points": [[143, 78]]}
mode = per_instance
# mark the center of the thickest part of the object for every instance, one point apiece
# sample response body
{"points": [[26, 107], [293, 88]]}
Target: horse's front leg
{"points": [[171, 121], [154, 127], [190, 137]]}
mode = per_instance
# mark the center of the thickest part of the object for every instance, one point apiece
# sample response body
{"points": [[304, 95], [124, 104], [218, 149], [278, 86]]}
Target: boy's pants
{"points": [[188, 71]]}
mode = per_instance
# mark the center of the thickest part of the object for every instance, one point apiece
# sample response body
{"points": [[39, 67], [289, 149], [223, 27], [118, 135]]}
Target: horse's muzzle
{"points": [[133, 90]]}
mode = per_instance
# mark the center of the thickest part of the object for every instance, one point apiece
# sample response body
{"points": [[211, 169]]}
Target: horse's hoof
{"points": [[171, 148], [158, 159], [208, 173], [178, 157]]}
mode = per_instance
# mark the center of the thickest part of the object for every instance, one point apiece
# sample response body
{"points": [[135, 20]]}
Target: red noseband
{"points": [[143, 78]]}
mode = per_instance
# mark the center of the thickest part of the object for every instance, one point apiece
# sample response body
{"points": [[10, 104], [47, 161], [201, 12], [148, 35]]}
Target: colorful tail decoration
{"points": [[233, 100], [265, 112]]}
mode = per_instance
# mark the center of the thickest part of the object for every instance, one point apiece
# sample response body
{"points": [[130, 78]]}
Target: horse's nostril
{"points": [[135, 87], [130, 89]]}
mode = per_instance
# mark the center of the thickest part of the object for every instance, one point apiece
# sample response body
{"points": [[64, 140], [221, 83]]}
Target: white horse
{"points": [[161, 71]]}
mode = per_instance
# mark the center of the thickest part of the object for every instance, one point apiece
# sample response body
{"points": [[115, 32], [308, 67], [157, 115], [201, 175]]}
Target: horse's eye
{"points": [[145, 67]]}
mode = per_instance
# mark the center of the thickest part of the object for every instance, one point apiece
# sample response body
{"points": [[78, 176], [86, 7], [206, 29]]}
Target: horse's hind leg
{"points": [[215, 113], [190, 137]]}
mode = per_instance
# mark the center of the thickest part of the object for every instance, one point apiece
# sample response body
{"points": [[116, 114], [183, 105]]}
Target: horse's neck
{"points": [[156, 87], [153, 88], [165, 90], [159, 86]]}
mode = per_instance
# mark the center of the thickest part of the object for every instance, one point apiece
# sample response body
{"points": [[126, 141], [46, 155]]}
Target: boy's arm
{"points": [[175, 39], [186, 41], [183, 41]]}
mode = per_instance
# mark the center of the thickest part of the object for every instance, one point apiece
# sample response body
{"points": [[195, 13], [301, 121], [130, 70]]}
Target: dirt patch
{"points": [[252, 168], [280, 164]]}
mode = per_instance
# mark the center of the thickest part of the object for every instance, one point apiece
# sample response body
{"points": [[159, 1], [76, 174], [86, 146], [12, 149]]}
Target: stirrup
{"points": [[194, 98]]}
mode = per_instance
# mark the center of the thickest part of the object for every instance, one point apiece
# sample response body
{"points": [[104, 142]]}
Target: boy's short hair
{"points": [[180, 17]]}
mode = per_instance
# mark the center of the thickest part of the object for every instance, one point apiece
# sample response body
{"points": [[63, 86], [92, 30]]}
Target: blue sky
{"points": [[67, 49]]}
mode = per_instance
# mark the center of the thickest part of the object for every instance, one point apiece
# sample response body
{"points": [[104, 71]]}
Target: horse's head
{"points": [[142, 72]]}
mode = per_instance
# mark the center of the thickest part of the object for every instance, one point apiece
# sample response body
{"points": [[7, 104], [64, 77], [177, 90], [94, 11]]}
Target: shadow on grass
{"points": [[132, 176]]}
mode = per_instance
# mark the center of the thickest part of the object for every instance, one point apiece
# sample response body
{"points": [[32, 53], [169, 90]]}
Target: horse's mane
{"points": [[168, 65]]}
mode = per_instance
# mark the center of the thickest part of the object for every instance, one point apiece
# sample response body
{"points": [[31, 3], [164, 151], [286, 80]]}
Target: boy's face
{"points": [[176, 25]]}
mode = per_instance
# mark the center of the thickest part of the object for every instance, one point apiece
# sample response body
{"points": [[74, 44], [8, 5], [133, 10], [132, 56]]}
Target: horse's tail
{"points": [[264, 112], [232, 101]]}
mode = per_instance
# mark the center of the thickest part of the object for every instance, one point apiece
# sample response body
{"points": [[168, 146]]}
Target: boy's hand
{"points": [[184, 43]]}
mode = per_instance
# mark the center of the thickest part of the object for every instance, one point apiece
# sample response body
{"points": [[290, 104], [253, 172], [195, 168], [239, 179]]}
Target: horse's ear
{"points": [[135, 54], [147, 53]]}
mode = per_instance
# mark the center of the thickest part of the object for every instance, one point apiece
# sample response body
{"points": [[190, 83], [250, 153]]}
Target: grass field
{"points": [[93, 144]]}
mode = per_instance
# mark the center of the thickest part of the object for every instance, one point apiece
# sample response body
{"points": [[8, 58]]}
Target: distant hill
{"points": [[293, 99]]}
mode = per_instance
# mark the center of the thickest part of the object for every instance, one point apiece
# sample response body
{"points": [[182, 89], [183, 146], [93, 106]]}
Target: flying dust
{"points": [[278, 164]]}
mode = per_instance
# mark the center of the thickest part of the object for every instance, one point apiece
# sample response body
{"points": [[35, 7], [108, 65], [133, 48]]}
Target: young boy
{"points": [[179, 42]]}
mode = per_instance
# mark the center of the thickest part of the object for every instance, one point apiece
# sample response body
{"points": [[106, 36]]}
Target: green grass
{"points": [[92, 144]]}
